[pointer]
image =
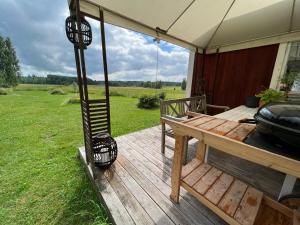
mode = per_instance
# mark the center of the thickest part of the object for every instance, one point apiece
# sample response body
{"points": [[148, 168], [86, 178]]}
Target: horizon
{"points": [[175, 82]]}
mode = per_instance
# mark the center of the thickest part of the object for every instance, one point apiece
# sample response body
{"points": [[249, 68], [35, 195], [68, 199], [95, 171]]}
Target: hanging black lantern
{"points": [[72, 30], [104, 150]]}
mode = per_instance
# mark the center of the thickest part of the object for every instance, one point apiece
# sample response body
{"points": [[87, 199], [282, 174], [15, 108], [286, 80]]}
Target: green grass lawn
{"points": [[171, 92], [42, 180]]}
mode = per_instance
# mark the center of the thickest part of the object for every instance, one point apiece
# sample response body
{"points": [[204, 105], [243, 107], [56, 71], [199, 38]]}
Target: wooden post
{"points": [[105, 68], [176, 167], [163, 138], [84, 95], [201, 150], [185, 150]]}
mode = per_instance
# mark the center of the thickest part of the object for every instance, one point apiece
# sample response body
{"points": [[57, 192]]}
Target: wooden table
{"points": [[227, 136], [242, 112]]}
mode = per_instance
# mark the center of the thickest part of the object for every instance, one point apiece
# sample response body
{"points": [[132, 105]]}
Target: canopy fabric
{"points": [[204, 24]]}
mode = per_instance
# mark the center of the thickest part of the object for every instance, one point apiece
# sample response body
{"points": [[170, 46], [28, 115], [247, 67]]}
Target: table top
{"points": [[223, 127], [238, 113]]}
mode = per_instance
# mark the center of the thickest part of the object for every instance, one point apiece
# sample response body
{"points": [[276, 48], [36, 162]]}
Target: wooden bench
{"points": [[233, 200], [178, 109]]}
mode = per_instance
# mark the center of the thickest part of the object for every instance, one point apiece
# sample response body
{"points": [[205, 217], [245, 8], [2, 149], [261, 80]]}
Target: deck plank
{"points": [[240, 132], [188, 168], [219, 188], [173, 212], [207, 180], [203, 212], [211, 124], [135, 210], [141, 152], [185, 206], [193, 177], [157, 215], [231, 200], [249, 206], [225, 127], [114, 205], [200, 120]]}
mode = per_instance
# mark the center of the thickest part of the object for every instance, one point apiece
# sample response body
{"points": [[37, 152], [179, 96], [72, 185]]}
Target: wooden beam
{"points": [[201, 151], [177, 167]]}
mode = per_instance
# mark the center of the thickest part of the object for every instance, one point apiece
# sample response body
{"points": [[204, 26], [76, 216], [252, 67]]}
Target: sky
{"points": [[37, 31]]}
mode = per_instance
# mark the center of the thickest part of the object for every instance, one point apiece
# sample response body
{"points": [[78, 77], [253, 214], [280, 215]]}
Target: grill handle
{"points": [[251, 121]]}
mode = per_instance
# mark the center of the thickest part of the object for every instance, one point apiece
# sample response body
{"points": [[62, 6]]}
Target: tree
{"points": [[9, 64], [158, 84], [183, 84]]}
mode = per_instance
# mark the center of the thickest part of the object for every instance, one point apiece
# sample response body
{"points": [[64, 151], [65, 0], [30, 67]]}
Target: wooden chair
{"points": [[177, 109]]}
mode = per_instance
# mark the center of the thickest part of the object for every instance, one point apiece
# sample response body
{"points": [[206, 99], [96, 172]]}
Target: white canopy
{"points": [[205, 24]]}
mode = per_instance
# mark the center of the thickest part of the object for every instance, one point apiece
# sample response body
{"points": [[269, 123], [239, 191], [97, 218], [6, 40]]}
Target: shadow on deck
{"points": [[136, 188]]}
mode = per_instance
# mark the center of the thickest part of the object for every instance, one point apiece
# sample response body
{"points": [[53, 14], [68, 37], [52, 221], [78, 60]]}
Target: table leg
{"points": [[201, 151], [206, 154], [176, 167], [288, 185], [185, 150]]}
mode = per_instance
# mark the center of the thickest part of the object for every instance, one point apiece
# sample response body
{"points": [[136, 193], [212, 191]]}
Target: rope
{"points": [[156, 75], [157, 48]]}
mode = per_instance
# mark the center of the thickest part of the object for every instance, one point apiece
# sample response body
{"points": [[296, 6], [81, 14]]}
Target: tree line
{"points": [[67, 80]]}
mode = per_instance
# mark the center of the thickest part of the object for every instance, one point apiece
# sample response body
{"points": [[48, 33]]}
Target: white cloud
{"points": [[37, 31]]}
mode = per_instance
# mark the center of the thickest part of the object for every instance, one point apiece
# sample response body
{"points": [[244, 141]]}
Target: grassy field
{"points": [[42, 180], [134, 92]]}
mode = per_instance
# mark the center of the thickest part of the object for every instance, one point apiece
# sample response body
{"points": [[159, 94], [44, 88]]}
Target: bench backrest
{"points": [[178, 107]]}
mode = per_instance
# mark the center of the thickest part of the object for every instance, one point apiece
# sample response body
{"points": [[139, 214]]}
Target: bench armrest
{"points": [[173, 118], [193, 114], [225, 108]]}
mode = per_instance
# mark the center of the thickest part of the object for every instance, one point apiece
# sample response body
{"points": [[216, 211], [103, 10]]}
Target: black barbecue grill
{"points": [[278, 125]]}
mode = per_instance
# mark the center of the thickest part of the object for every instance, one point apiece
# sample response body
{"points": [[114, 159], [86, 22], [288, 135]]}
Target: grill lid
{"points": [[284, 114]]}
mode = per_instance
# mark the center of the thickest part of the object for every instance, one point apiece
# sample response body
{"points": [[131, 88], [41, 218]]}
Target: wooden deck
{"points": [[136, 189]]}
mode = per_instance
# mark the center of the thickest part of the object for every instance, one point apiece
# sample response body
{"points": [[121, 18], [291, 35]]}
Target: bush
{"points": [[288, 80], [270, 95], [162, 95], [72, 100], [57, 91], [3, 91], [148, 102], [114, 93]]}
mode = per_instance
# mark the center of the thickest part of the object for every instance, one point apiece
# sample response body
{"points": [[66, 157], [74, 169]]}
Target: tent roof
{"points": [[206, 24]]}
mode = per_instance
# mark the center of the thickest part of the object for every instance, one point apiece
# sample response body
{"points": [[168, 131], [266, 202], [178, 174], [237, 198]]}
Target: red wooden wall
{"points": [[230, 77]]}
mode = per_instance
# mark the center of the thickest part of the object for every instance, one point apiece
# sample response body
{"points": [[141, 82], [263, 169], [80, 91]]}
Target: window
{"points": [[293, 64]]}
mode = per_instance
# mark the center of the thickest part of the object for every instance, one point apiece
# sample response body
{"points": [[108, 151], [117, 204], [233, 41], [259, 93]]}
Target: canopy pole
{"points": [[105, 67], [84, 96], [216, 73], [81, 50], [292, 15], [79, 79], [202, 86]]}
